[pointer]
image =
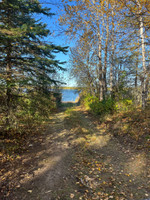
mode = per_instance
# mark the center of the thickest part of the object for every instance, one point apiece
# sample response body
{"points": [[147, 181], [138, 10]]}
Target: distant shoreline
{"points": [[68, 88]]}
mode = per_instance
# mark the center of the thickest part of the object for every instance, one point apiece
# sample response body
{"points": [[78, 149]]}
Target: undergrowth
{"points": [[131, 127], [122, 118]]}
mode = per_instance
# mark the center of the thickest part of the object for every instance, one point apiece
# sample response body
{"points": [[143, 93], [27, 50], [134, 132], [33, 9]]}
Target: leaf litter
{"points": [[88, 171]]}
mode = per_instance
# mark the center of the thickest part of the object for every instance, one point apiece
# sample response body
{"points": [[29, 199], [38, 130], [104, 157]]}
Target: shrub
{"points": [[107, 106], [99, 107], [124, 105], [88, 100]]}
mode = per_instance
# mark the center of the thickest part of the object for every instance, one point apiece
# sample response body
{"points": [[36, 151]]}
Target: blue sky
{"points": [[58, 36]]}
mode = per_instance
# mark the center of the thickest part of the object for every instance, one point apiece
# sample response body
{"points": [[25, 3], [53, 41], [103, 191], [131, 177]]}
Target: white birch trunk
{"points": [[100, 69], [143, 78]]}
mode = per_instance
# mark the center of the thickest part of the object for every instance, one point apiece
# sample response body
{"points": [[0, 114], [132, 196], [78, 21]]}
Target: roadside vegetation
{"points": [[124, 119]]}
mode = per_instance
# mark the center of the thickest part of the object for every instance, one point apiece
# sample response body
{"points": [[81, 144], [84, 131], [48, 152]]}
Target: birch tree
{"points": [[139, 14], [89, 20]]}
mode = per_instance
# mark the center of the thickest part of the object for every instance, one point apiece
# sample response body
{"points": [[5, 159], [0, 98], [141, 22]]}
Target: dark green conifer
{"points": [[25, 59]]}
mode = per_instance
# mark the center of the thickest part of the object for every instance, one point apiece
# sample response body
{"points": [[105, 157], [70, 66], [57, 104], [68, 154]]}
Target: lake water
{"points": [[69, 95]]}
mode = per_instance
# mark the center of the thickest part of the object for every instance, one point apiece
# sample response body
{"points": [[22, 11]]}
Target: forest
{"points": [[110, 62]]}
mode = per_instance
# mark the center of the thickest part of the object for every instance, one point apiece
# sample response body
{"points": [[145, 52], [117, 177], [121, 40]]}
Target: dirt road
{"points": [[77, 158]]}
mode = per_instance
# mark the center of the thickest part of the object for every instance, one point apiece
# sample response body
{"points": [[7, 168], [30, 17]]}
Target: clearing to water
{"points": [[69, 95]]}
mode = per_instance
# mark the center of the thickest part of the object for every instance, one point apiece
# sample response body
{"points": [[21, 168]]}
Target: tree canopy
{"points": [[114, 37]]}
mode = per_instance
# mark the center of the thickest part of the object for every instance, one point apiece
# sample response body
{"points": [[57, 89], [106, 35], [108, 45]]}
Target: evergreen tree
{"points": [[25, 59]]}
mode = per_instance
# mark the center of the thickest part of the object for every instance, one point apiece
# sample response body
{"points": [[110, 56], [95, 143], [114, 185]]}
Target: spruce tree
{"points": [[25, 59]]}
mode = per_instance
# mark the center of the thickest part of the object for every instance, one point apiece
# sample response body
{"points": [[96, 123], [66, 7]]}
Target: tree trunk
{"points": [[144, 92], [100, 70], [136, 71], [143, 82], [8, 73], [106, 52], [112, 54], [8, 85]]}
